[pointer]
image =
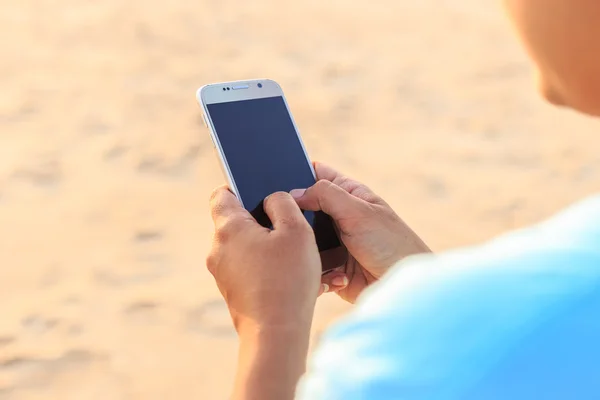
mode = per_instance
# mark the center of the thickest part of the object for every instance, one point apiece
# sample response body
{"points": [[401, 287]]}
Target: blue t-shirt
{"points": [[515, 319]]}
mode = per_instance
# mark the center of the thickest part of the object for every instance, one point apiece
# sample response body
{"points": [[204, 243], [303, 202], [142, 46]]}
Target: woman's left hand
{"points": [[269, 278]]}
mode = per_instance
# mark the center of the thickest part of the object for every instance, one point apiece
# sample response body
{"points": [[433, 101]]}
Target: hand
{"points": [[267, 277], [376, 237], [270, 280]]}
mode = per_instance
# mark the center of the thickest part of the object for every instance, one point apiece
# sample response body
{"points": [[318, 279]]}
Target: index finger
{"points": [[325, 172], [283, 211], [224, 205]]}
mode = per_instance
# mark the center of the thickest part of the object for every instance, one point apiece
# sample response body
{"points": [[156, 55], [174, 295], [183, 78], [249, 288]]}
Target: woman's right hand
{"points": [[375, 236]]}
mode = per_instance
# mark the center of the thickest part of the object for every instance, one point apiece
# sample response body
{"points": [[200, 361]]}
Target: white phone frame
{"points": [[244, 90]]}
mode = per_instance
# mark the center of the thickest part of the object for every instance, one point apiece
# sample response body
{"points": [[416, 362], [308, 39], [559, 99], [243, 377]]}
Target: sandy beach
{"points": [[106, 168]]}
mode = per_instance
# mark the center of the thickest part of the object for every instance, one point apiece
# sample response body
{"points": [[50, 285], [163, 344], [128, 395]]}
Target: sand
{"points": [[105, 167]]}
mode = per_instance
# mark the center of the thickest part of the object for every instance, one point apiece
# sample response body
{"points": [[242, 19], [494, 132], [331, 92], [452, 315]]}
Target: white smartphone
{"points": [[261, 152]]}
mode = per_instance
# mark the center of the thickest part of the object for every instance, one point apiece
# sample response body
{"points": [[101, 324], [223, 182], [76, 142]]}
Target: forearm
{"points": [[271, 362]]}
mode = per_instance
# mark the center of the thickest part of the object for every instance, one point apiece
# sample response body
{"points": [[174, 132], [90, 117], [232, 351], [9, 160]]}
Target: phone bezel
{"points": [[213, 94]]}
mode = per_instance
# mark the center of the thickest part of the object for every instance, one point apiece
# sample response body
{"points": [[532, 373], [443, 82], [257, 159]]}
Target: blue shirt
{"points": [[515, 319]]}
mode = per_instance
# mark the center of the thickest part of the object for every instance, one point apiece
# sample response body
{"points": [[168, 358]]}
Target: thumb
{"points": [[327, 197], [283, 212]]}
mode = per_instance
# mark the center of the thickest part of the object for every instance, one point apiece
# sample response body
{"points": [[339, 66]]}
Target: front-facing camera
{"points": [[259, 85]]}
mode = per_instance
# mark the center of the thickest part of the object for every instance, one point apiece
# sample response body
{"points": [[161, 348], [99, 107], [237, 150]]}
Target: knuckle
{"points": [[215, 194], [322, 186], [304, 228], [226, 230], [323, 183], [212, 262], [276, 197], [298, 237], [350, 185], [222, 235], [217, 208], [342, 181], [292, 222]]}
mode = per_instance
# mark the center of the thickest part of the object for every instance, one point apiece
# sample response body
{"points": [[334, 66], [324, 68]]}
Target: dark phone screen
{"points": [[265, 156]]}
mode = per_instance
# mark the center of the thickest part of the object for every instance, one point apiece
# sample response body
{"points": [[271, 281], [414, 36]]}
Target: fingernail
{"points": [[325, 288], [297, 193], [340, 281]]}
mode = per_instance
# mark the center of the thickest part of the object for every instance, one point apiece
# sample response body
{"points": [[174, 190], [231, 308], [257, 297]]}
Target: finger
{"points": [[326, 172], [329, 174], [335, 281], [283, 212], [351, 186], [224, 205], [328, 197], [323, 289]]}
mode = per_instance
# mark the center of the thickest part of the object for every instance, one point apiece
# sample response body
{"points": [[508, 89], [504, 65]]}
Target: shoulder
{"points": [[438, 325]]}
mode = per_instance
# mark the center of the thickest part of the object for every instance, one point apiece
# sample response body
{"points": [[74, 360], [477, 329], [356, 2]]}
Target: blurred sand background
{"points": [[105, 167]]}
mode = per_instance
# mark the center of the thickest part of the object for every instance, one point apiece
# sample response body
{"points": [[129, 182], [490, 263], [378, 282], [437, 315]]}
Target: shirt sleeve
{"points": [[516, 318]]}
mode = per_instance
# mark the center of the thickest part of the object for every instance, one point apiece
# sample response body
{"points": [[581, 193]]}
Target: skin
{"points": [[272, 298], [375, 236], [563, 39], [270, 280]]}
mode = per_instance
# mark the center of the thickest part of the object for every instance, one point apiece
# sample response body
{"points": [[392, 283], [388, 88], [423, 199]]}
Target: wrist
{"points": [[281, 319], [259, 332], [271, 361]]}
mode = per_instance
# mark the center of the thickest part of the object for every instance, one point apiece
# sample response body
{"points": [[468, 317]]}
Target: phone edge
{"points": [[217, 144], [335, 257], [225, 170]]}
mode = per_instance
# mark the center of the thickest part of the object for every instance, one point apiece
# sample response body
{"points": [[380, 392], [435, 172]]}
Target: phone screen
{"points": [[264, 154]]}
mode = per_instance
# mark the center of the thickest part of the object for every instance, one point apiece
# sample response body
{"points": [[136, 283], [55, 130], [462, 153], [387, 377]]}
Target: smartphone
{"points": [[261, 152]]}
